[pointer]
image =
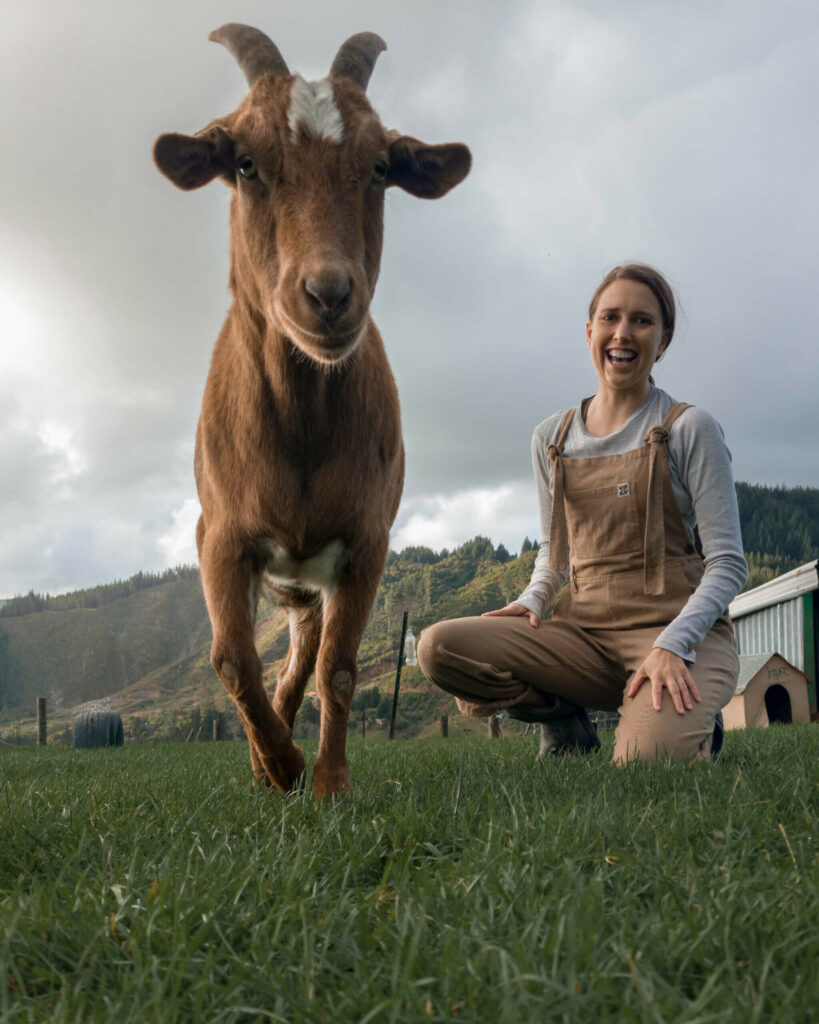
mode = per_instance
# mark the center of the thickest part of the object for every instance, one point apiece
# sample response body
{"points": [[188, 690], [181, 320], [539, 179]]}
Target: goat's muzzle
{"points": [[328, 294], [323, 305]]}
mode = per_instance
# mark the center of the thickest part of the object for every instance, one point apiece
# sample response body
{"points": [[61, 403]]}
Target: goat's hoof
{"points": [[286, 771], [299, 786], [291, 770], [331, 782]]}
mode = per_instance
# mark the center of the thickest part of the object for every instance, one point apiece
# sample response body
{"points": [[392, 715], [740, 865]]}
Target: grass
{"points": [[460, 882]]}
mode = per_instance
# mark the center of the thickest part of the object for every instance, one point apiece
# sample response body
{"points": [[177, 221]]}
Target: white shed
{"points": [[782, 615]]}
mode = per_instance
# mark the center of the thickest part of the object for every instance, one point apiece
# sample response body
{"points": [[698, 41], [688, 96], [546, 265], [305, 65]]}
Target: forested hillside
{"points": [[146, 639], [780, 528]]}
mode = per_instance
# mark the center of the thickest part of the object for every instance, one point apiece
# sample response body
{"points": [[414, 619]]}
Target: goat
{"points": [[299, 460]]}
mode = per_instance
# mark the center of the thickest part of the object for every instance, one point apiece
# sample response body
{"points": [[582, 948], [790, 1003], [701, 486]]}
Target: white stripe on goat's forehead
{"points": [[313, 106]]}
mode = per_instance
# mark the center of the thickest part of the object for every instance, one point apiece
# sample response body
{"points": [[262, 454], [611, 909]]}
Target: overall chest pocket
{"points": [[603, 520]]}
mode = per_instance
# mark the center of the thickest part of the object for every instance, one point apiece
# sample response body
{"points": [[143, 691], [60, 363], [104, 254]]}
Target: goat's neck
{"points": [[301, 397], [301, 388]]}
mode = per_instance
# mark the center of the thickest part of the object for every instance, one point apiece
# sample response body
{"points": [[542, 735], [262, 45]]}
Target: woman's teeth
{"points": [[619, 358]]}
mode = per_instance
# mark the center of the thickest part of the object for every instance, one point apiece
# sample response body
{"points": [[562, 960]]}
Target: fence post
{"points": [[494, 727], [363, 723], [42, 724], [217, 727], [444, 726], [398, 675]]}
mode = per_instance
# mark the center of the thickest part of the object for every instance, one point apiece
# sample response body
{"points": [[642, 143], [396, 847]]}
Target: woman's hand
{"points": [[517, 609], [663, 669]]}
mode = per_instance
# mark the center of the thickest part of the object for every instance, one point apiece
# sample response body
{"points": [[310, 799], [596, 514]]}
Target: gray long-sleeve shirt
{"points": [[700, 468]]}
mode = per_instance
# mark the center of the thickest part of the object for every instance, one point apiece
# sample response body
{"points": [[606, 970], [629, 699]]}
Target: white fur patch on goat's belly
{"points": [[321, 572], [313, 106]]}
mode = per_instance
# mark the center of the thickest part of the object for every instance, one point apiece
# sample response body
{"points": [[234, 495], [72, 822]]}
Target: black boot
{"points": [[575, 732], [563, 727], [719, 733]]}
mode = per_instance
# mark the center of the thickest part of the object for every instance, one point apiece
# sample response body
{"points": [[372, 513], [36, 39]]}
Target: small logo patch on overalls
{"points": [[623, 490]]}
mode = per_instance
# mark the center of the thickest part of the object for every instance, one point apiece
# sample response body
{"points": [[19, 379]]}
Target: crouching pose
{"points": [[639, 514]]}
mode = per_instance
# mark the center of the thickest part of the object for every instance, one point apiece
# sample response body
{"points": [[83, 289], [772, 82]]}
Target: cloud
{"points": [[178, 543], [675, 133], [504, 514]]}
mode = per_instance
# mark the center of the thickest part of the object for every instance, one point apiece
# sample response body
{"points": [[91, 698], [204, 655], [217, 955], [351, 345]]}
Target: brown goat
{"points": [[299, 459]]}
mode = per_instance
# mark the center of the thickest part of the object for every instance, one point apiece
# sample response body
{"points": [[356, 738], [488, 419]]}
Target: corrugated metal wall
{"points": [[780, 628]]}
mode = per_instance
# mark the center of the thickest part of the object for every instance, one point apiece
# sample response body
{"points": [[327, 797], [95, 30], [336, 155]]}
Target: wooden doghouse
{"points": [[769, 689]]}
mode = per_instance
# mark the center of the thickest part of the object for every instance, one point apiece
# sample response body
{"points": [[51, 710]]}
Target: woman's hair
{"points": [[652, 279]]}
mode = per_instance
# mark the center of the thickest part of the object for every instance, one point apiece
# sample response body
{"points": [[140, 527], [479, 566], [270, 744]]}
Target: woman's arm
{"points": [[700, 458]]}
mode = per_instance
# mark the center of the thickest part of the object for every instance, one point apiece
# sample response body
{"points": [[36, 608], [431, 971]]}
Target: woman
{"points": [[638, 512]]}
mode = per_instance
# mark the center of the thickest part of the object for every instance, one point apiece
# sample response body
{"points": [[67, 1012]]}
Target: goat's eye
{"points": [[380, 169], [246, 167]]}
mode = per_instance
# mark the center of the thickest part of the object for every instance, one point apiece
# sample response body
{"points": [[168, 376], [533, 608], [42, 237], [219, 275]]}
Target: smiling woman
{"points": [[630, 326], [638, 511]]}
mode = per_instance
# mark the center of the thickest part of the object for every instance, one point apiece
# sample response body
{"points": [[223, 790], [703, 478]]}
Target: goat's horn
{"points": [[255, 53], [356, 58]]}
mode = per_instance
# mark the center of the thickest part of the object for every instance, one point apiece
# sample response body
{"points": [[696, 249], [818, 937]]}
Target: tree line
{"points": [[94, 597], [780, 528]]}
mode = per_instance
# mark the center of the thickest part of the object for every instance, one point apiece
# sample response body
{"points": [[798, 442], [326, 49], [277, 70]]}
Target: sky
{"points": [[680, 134]]}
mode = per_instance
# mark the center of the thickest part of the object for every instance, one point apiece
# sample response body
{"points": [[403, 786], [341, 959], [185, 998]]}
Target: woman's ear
{"points": [[588, 333]]}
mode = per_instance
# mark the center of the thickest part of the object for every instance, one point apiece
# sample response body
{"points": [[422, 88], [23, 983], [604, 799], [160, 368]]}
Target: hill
{"points": [[145, 641], [780, 528], [149, 650]]}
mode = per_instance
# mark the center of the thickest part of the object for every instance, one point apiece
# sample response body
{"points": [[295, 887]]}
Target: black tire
{"points": [[98, 729]]}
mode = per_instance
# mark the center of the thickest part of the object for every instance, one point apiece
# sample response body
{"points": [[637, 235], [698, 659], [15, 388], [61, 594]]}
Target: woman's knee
{"points": [[668, 736], [430, 647]]}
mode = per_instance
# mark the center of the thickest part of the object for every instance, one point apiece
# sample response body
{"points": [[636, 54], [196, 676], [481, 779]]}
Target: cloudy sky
{"points": [[679, 133]]}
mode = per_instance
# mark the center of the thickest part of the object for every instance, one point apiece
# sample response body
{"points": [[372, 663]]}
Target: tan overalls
{"points": [[632, 568]]}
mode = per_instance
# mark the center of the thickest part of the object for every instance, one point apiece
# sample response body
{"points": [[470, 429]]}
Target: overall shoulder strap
{"points": [[654, 539], [674, 412], [564, 428], [659, 434], [558, 533]]}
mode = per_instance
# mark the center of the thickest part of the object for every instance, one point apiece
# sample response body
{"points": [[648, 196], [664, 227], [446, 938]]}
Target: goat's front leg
{"points": [[345, 616], [230, 587]]}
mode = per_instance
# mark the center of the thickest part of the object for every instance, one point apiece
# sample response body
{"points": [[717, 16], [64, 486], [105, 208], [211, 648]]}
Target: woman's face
{"points": [[625, 336]]}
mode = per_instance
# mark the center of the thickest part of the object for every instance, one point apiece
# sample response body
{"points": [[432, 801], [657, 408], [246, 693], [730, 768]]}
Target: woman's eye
{"points": [[246, 167], [380, 169]]}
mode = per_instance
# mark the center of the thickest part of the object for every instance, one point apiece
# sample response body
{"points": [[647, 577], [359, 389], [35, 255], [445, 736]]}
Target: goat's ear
{"points": [[426, 171], [191, 161]]}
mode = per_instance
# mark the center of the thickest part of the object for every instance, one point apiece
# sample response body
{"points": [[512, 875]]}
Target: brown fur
{"points": [[299, 439]]}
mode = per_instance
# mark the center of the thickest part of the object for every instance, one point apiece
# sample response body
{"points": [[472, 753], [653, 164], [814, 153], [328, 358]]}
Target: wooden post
{"points": [[444, 726], [398, 675], [42, 725], [363, 722], [217, 727], [494, 727]]}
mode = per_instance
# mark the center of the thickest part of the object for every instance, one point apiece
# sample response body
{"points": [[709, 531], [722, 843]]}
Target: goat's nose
{"points": [[328, 292]]}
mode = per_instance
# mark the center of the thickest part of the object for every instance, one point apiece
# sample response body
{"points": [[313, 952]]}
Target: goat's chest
{"points": [[319, 572], [339, 498]]}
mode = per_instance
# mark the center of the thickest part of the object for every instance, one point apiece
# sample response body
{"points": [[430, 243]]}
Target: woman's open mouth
{"points": [[620, 356]]}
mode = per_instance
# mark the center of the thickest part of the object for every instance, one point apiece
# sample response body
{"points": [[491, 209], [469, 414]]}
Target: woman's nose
{"points": [[622, 329]]}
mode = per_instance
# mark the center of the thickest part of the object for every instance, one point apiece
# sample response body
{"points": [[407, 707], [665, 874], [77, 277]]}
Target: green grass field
{"points": [[461, 881]]}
